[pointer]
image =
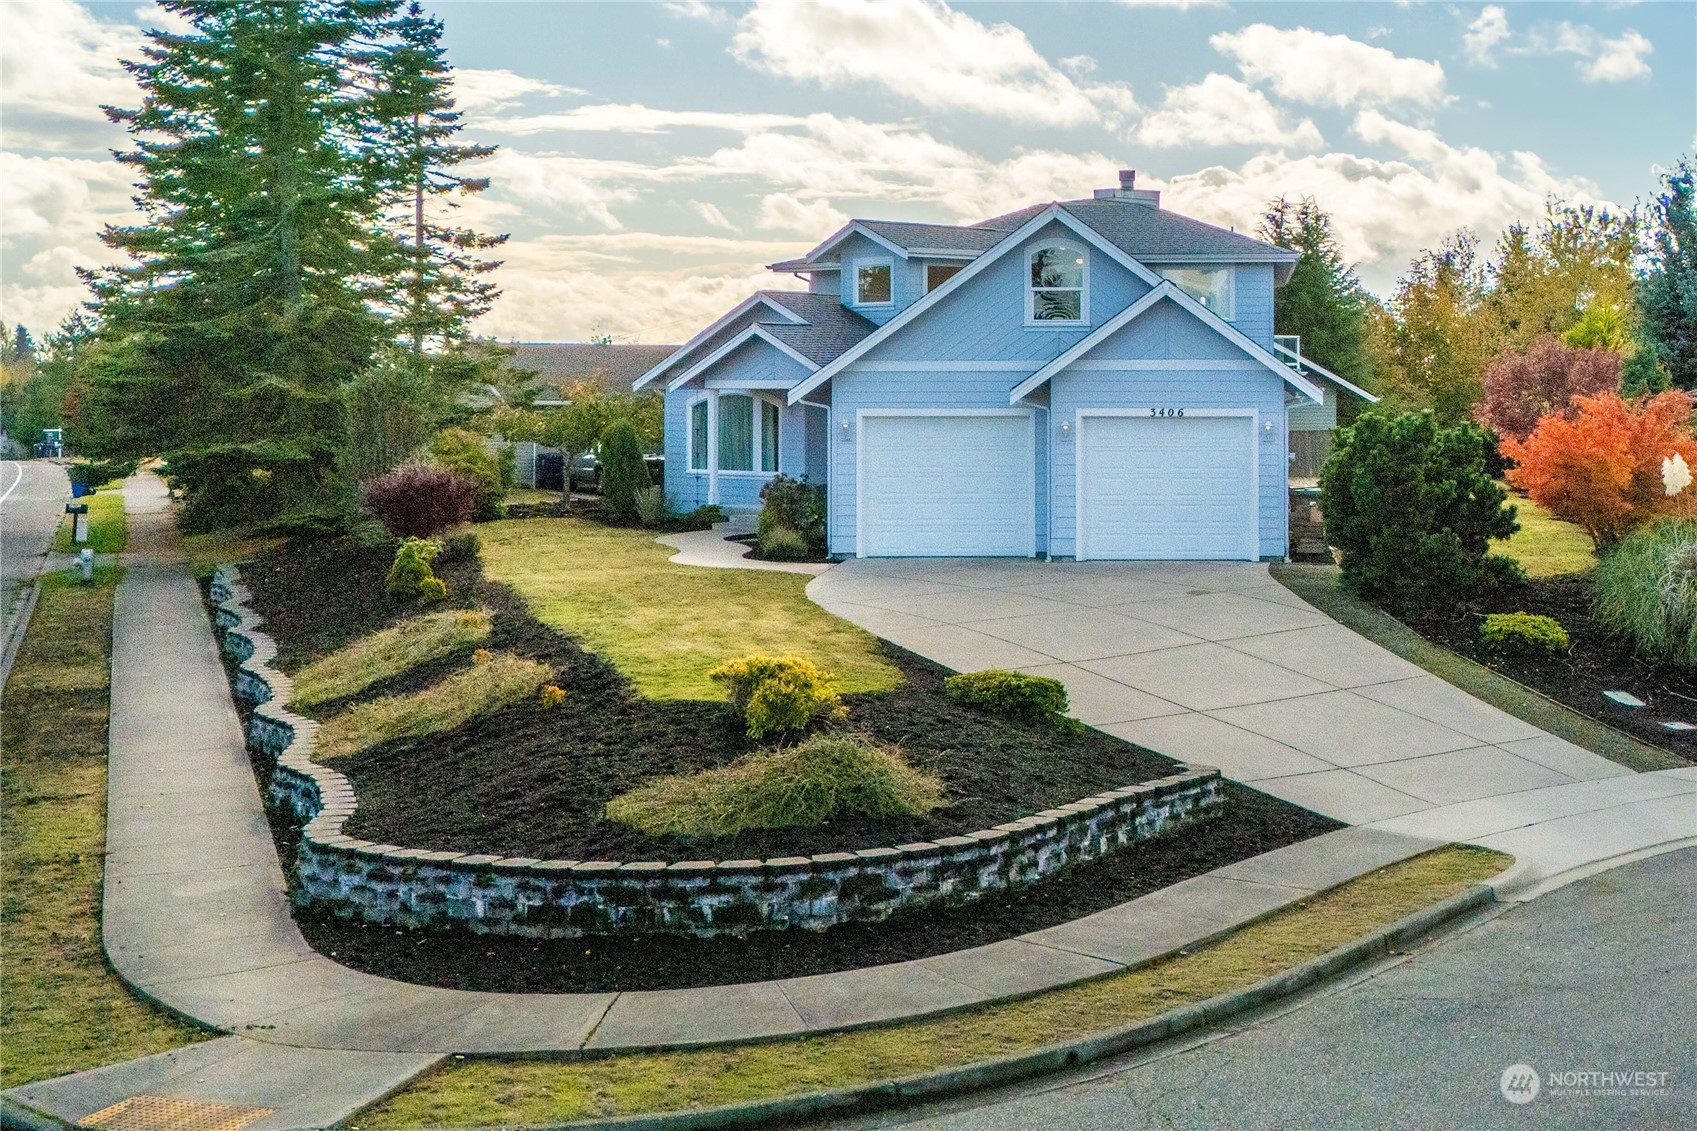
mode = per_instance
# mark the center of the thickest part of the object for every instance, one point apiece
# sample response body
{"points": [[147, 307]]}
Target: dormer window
{"points": [[1058, 291], [1210, 286], [873, 282]]}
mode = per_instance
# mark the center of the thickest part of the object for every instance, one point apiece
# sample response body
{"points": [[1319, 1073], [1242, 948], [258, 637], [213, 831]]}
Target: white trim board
{"points": [[737, 311], [746, 336], [1327, 373], [1166, 291]]}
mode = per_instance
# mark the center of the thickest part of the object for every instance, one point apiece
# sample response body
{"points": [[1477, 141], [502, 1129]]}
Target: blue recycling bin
{"points": [[78, 490]]}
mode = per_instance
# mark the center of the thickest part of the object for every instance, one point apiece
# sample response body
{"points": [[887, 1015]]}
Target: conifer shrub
{"points": [[1523, 632], [624, 474], [774, 694], [1012, 695], [1413, 510], [410, 576]]}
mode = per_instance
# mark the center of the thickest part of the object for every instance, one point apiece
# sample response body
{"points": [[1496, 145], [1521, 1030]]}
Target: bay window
{"points": [[748, 433]]}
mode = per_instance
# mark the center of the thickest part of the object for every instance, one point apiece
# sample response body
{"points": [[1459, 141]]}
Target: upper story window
{"points": [[1057, 293], [873, 282], [936, 274], [1210, 286]]}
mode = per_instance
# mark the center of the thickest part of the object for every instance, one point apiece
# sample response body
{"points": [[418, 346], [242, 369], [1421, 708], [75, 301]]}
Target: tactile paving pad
{"points": [[161, 1113]]}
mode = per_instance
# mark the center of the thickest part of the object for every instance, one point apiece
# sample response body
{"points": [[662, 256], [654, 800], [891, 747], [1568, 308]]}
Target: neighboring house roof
{"points": [[560, 365]]}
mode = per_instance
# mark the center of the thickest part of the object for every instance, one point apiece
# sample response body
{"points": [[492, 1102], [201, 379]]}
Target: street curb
{"points": [[909, 1091], [19, 627], [15, 1116]]}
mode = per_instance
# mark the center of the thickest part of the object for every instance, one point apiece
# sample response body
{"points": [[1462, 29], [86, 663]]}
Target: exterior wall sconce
{"points": [[846, 430], [1066, 427]]}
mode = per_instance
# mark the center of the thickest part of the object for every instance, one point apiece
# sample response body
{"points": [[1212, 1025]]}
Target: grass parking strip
{"points": [[107, 527], [62, 1010], [519, 1093]]}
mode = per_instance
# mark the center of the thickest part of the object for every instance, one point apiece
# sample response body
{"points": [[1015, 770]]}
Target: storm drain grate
{"points": [[161, 1113]]}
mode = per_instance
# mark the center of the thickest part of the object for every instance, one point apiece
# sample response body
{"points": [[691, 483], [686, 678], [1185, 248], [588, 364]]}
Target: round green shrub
{"points": [[778, 693], [1012, 695], [795, 505], [410, 575], [828, 777], [1523, 632], [1646, 590], [463, 451], [1413, 511]]}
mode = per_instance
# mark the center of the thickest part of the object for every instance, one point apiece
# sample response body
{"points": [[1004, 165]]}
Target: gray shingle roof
{"points": [[830, 327], [1148, 233], [949, 237], [559, 365]]}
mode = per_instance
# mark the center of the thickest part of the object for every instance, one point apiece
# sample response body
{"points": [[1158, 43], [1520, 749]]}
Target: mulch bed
{"points": [[752, 541], [1596, 662], [532, 783], [1252, 823]]}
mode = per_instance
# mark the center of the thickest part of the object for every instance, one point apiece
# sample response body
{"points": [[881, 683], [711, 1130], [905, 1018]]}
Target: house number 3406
{"points": [[1166, 412]]}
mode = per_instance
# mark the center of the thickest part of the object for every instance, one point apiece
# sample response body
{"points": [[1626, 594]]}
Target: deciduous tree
{"points": [[1521, 389]]}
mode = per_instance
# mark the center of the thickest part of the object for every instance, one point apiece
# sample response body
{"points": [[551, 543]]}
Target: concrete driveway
{"points": [[1216, 664]]}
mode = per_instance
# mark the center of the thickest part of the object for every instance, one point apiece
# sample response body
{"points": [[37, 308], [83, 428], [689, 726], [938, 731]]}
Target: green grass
{"points": [[62, 1010], [665, 625], [1545, 545], [502, 681], [521, 496], [388, 653], [107, 530], [1320, 586], [206, 552], [827, 777], [529, 1092]]}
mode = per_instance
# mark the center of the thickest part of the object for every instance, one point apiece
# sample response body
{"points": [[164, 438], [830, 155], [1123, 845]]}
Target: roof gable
{"points": [[1166, 291], [759, 301]]}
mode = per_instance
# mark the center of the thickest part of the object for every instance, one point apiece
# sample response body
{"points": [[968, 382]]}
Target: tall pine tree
{"points": [[1667, 293], [1324, 301], [275, 145]]}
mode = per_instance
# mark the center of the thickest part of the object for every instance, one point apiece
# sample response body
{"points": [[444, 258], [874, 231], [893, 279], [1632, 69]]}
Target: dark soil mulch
{"points": [[752, 541], [1252, 823], [529, 782], [1596, 661]]}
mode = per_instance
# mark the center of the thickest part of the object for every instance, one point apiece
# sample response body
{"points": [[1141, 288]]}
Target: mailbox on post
{"points": [[79, 521]]}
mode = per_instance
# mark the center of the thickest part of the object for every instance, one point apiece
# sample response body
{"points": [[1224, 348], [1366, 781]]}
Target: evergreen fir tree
{"points": [[1324, 301], [1667, 293]]}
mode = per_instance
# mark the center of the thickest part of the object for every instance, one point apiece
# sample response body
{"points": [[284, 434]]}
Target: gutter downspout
{"points": [[830, 480]]}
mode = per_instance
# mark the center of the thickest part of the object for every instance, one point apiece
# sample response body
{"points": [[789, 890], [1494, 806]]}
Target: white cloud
{"points": [[58, 59], [711, 216], [50, 222], [635, 119], [699, 10], [1483, 35], [779, 211], [1384, 211], [1618, 59], [1181, 5], [486, 92], [925, 51], [1220, 110], [1330, 70]]}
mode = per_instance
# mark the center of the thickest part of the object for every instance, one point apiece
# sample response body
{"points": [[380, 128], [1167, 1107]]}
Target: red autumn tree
{"points": [[1600, 466], [1522, 389]]}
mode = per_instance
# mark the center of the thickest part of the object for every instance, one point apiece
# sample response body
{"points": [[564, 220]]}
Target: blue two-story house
{"points": [[1092, 379]]}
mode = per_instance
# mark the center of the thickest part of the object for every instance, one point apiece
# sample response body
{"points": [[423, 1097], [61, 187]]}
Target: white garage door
{"points": [[947, 486], [1172, 488]]}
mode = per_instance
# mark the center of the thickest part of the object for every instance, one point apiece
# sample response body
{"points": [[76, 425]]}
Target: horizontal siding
{"points": [[853, 391], [1254, 300], [905, 280], [1072, 390], [1306, 416], [756, 360], [1166, 331]]}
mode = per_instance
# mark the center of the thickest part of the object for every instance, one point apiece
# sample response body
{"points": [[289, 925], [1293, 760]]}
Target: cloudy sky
{"points": [[653, 156]]}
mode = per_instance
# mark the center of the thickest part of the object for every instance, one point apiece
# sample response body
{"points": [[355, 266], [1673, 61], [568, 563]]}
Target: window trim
{"points": [[757, 397], [1032, 322], [1228, 269], [886, 262]]}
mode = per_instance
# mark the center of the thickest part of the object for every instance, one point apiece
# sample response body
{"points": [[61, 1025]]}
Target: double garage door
{"points": [[936, 485]]}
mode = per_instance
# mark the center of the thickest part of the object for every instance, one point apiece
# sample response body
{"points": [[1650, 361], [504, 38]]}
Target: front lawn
{"points": [[664, 625], [1546, 546]]}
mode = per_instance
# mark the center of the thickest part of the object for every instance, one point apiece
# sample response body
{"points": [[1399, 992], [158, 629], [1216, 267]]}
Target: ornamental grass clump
{"points": [[388, 653], [1646, 590], [774, 694], [477, 690], [1523, 632], [830, 776]]}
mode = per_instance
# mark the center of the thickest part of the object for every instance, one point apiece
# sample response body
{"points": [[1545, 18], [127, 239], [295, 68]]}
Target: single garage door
{"points": [[1167, 487], [947, 486]]}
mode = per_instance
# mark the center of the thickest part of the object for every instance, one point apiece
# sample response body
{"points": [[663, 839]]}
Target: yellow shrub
{"points": [[778, 693]]}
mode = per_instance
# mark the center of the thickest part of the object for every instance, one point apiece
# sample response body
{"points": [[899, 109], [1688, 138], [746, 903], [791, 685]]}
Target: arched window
{"points": [[1058, 292]]}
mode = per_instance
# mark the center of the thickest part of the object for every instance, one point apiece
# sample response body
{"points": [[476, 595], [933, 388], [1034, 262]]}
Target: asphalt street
{"points": [[1598, 977], [33, 494]]}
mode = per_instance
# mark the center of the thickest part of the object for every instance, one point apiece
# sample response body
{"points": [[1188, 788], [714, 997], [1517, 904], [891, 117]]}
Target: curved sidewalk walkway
{"points": [[196, 915]]}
